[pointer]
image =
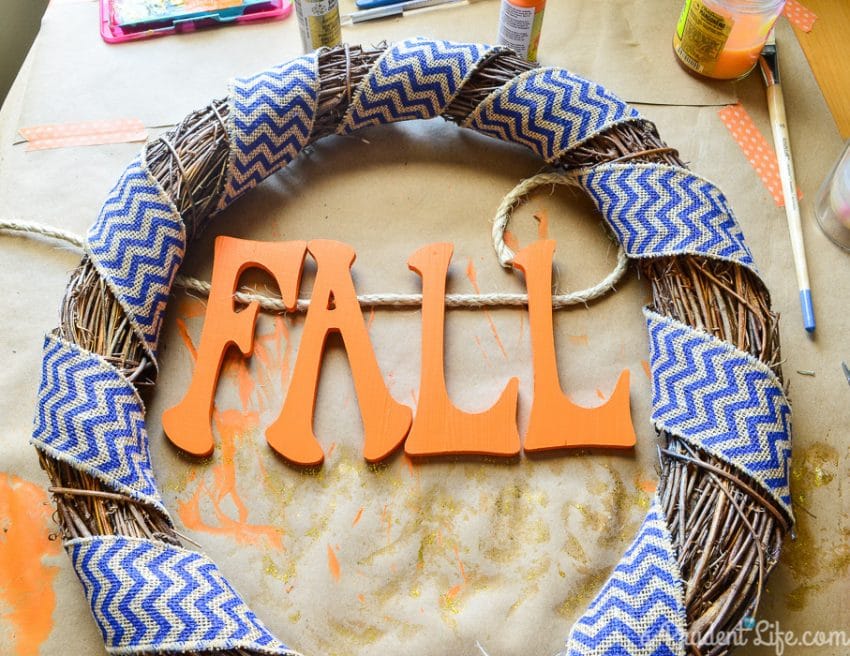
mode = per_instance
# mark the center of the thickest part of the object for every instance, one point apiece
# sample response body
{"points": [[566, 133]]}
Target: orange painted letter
{"points": [[187, 424], [439, 427], [334, 307], [556, 422]]}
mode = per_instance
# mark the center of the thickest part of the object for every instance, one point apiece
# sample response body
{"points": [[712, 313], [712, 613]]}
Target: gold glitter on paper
{"points": [[271, 568], [356, 633], [815, 562], [574, 549], [581, 595], [532, 576]]}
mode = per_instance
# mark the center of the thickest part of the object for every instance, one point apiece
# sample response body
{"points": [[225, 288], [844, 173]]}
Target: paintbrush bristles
{"points": [[769, 61]]}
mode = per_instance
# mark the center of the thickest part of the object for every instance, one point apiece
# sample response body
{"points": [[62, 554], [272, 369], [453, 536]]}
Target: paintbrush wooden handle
{"points": [[782, 145]]}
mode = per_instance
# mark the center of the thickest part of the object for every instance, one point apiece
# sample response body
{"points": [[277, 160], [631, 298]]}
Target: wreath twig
{"points": [[726, 531]]}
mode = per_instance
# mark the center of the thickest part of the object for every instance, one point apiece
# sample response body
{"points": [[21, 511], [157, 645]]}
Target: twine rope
{"points": [[271, 303], [512, 200]]}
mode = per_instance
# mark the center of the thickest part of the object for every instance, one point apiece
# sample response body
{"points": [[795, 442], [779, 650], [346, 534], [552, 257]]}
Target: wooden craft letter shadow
{"points": [[334, 307], [556, 422], [187, 424], [439, 426]]}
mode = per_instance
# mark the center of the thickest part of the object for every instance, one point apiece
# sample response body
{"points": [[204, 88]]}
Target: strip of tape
{"points": [[799, 15], [756, 147], [83, 133]]}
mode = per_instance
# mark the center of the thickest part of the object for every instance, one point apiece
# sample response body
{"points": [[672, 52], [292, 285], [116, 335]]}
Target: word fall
{"points": [[439, 427]]}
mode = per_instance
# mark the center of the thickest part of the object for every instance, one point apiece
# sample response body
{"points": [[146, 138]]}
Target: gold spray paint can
{"points": [[318, 22]]}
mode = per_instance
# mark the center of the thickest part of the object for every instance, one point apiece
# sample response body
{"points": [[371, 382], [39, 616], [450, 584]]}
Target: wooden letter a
{"points": [[556, 422], [187, 424], [334, 307], [440, 427]]}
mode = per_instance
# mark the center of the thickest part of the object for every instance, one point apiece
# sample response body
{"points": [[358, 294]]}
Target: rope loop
{"points": [[505, 253]]}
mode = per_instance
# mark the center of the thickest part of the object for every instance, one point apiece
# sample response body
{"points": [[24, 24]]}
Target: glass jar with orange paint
{"points": [[722, 39]]}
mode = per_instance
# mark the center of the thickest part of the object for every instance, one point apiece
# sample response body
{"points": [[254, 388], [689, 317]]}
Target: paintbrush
{"points": [[769, 64]]}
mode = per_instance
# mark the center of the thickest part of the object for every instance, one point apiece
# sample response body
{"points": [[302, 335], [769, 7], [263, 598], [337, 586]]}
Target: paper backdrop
{"points": [[404, 557]]}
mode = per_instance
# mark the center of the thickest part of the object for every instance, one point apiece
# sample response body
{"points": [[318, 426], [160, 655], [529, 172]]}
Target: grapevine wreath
{"points": [[698, 564]]}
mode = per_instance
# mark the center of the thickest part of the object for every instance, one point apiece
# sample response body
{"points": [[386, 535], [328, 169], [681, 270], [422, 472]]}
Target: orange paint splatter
{"points": [[646, 370], [333, 564], [26, 583], [472, 274], [331, 449], [578, 340], [460, 565], [357, 516], [183, 331], [648, 486], [511, 241], [189, 307], [272, 352], [453, 591], [483, 350], [244, 379], [387, 518], [600, 394], [371, 318], [542, 217], [361, 599], [408, 461], [473, 280], [230, 426]]}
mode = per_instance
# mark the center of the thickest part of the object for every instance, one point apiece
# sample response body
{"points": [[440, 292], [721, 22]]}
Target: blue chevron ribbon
{"points": [[550, 110], [640, 610], [721, 400], [656, 210], [416, 78], [91, 417], [137, 245], [271, 118], [151, 597]]}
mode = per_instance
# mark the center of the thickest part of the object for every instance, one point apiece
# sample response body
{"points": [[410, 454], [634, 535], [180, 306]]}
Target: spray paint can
{"points": [[519, 26], [318, 22]]}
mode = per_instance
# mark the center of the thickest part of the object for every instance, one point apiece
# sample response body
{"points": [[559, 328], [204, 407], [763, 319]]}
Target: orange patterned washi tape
{"points": [[799, 15], [83, 133], [756, 147]]}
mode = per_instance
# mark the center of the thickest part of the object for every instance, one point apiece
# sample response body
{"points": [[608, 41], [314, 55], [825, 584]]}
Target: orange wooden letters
{"points": [[187, 424], [556, 422], [439, 426], [334, 307]]}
